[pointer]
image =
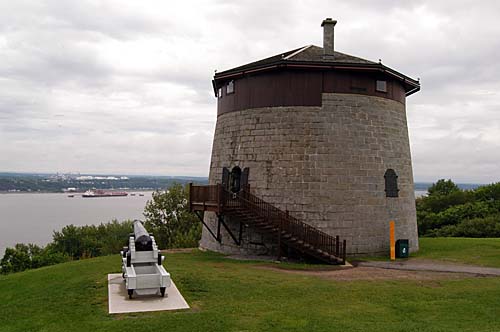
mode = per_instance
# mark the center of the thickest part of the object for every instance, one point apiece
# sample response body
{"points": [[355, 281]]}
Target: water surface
{"points": [[31, 218]]}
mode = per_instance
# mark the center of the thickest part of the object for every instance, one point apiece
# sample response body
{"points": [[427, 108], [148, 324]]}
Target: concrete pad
{"points": [[120, 303]]}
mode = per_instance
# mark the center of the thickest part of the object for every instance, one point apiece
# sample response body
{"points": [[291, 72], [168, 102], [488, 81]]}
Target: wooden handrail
{"points": [[283, 221]]}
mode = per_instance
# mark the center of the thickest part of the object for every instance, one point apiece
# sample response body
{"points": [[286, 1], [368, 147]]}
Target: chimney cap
{"points": [[329, 21]]}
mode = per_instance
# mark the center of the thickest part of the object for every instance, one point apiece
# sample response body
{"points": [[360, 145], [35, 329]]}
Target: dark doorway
{"points": [[235, 180]]}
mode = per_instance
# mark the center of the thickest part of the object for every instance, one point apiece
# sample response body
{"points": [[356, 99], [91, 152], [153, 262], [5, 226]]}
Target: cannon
{"points": [[142, 268]]}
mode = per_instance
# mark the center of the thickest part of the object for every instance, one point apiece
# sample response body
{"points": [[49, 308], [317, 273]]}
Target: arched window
{"points": [[391, 183], [235, 180]]}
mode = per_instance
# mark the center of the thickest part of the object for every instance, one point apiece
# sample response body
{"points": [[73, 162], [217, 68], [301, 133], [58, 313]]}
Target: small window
{"points": [[219, 93], [382, 86], [230, 87], [391, 183]]}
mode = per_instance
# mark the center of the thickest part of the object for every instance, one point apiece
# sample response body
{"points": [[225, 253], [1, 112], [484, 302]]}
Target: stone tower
{"points": [[323, 135]]}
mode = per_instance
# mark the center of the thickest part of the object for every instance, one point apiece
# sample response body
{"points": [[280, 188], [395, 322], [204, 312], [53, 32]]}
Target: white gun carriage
{"points": [[142, 266]]}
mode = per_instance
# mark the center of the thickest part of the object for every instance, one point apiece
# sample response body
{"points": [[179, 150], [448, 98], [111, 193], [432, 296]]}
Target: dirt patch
{"points": [[368, 273], [178, 250], [432, 266]]}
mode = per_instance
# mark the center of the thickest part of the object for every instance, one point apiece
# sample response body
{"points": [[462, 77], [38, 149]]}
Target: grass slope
{"points": [[227, 295], [480, 251], [468, 251]]}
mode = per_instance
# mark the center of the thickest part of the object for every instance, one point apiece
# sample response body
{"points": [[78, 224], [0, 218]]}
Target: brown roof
{"points": [[313, 55], [308, 53]]}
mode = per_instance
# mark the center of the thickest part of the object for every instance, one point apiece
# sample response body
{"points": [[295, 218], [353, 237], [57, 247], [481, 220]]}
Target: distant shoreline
{"points": [[419, 187], [76, 192]]}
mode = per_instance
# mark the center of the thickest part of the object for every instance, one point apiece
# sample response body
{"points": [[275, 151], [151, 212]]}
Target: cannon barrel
{"points": [[143, 241]]}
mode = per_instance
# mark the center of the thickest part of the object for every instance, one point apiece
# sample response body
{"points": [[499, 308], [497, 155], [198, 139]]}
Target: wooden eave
{"points": [[411, 85]]}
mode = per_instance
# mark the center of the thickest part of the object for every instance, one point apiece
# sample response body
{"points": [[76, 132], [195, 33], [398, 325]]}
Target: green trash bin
{"points": [[402, 248]]}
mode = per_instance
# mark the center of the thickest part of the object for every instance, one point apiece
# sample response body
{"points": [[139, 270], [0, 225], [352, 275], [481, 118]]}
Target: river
{"points": [[31, 218], [420, 193]]}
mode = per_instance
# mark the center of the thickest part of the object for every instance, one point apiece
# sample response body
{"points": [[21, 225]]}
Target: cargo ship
{"points": [[102, 193]]}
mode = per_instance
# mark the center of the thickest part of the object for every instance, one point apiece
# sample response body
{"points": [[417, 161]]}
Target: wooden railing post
{"points": [[343, 252], [337, 246], [219, 196], [279, 239]]}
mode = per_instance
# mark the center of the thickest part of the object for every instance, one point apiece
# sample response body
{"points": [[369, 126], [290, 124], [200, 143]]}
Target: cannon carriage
{"points": [[142, 267]]}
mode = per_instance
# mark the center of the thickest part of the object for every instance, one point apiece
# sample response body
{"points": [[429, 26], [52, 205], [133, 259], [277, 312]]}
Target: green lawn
{"points": [[228, 295], [469, 251], [483, 252]]}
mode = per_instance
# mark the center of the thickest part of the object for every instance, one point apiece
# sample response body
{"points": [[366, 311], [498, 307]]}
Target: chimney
{"points": [[328, 36]]}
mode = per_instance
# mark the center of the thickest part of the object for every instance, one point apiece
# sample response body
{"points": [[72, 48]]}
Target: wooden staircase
{"points": [[266, 218]]}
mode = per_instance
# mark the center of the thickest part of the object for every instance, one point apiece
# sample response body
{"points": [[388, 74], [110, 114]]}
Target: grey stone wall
{"points": [[325, 165]]}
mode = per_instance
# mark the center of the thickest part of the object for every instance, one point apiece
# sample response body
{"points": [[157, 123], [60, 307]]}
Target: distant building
{"points": [[322, 135]]}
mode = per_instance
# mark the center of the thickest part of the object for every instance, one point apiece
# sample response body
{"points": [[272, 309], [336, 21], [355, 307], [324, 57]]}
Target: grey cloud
{"points": [[121, 86]]}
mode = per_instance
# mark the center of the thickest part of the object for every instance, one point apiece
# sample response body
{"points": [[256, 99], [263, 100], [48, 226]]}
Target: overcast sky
{"points": [[125, 86]]}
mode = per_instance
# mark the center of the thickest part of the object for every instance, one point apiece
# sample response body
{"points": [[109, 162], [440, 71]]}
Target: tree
{"points": [[169, 219], [443, 187]]}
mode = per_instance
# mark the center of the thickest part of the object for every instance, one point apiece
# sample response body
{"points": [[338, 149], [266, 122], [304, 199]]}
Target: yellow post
{"points": [[392, 240]]}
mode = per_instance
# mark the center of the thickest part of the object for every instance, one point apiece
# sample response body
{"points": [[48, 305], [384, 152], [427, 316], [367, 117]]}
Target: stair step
{"points": [[319, 251], [255, 221], [249, 218], [269, 226], [240, 215]]}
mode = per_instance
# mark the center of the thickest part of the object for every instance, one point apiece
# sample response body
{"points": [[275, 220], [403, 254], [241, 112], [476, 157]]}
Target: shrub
{"points": [[479, 227], [437, 203], [488, 193], [29, 256], [92, 241], [449, 211], [452, 216], [169, 219]]}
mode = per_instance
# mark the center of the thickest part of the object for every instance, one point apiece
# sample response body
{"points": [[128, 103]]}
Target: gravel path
{"points": [[368, 273], [434, 266]]}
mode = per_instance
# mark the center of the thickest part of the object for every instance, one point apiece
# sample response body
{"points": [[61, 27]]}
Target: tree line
{"points": [[448, 210], [47, 183]]}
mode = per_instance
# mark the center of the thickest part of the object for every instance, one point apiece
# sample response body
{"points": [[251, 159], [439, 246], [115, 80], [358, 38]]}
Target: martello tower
{"points": [[319, 134]]}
